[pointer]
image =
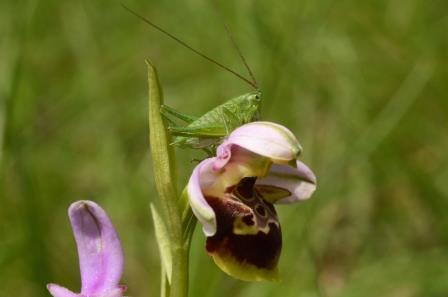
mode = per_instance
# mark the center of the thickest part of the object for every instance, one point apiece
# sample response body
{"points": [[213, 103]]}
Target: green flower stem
{"points": [[164, 284], [165, 180], [179, 278]]}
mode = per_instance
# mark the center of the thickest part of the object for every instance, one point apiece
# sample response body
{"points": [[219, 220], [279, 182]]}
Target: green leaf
{"points": [[163, 158], [163, 242], [165, 179]]}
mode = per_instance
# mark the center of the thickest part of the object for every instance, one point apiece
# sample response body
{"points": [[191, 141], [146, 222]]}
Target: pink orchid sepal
{"points": [[99, 250], [232, 195]]}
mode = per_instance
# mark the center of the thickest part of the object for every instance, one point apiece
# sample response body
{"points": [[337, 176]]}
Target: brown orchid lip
{"points": [[259, 240]]}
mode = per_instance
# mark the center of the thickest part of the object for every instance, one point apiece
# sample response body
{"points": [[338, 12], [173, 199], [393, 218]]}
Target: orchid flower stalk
{"points": [[232, 194]]}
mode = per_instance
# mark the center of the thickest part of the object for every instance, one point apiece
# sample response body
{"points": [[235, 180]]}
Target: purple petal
{"points": [[267, 139], [99, 249], [203, 175], [117, 292], [285, 184], [58, 291]]}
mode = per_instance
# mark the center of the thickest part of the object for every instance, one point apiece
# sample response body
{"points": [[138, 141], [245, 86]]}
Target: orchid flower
{"points": [[99, 251], [232, 195]]}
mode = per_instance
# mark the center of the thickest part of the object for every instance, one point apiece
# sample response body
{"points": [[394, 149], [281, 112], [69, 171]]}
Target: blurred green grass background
{"points": [[362, 84]]}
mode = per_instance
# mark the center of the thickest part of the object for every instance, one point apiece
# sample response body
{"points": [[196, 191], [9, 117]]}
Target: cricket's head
{"points": [[250, 105]]}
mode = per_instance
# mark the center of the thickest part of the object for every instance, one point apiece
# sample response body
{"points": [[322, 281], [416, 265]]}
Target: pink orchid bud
{"points": [[99, 251]]}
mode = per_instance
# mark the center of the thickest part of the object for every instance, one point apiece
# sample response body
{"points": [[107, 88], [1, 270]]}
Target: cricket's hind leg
{"points": [[204, 131], [168, 112]]}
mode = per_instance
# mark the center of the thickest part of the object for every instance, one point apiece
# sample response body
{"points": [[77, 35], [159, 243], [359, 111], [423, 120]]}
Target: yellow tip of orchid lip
{"points": [[245, 271]]}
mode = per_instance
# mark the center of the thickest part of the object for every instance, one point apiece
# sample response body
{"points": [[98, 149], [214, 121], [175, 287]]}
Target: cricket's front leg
{"points": [[168, 112]]}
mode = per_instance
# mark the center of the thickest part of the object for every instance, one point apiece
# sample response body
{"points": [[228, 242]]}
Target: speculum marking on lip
{"points": [[245, 189], [247, 228], [248, 220], [260, 210]]}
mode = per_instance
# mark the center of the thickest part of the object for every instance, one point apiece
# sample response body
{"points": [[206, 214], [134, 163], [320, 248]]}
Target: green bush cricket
{"points": [[208, 130]]}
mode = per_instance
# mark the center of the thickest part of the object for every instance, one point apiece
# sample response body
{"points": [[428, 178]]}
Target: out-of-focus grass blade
{"points": [[396, 108]]}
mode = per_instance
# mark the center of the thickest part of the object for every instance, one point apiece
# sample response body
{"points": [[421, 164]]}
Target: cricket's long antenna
{"points": [[254, 85], [235, 46]]}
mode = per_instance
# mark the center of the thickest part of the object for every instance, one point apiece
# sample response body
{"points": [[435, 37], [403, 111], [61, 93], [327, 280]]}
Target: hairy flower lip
{"points": [[99, 250]]}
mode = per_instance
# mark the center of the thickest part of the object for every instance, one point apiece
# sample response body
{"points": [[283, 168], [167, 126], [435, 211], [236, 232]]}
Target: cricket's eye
{"points": [[255, 97]]}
